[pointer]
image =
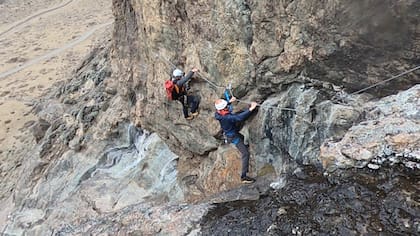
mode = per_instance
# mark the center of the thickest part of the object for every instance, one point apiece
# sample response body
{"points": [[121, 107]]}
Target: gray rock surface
{"points": [[296, 54], [89, 173], [390, 134]]}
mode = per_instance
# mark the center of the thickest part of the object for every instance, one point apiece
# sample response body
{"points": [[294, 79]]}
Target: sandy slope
{"points": [[49, 38]]}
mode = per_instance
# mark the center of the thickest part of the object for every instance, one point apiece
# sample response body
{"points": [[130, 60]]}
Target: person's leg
{"points": [[184, 107], [245, 156], [193, 102]]}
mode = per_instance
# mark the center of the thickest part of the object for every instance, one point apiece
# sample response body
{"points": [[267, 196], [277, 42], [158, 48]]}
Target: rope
{"points": [[387, 80], [202, 76], [230, 91], [276, 107], [260, 105], [267, 106], [208, 81], [164, 59], [285, 108], [297, 116]]}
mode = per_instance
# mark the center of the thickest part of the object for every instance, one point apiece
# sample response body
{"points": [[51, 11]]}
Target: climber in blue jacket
{"points": [[228, 122]]}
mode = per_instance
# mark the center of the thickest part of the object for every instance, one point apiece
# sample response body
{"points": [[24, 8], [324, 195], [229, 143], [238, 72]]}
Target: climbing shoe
{"points": [[194, 114], [189, 117], [247, 180]]}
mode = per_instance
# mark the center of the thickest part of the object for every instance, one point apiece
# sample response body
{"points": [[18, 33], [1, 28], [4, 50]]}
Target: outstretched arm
{"points": [[244, 114], [187, 77]]}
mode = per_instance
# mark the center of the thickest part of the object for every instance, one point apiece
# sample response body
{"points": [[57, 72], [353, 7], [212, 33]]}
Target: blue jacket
{"points": [[228, 121]]}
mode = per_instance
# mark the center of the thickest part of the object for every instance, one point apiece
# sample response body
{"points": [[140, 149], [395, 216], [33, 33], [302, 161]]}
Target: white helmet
{"points": [[177, 73], [220, 104]]}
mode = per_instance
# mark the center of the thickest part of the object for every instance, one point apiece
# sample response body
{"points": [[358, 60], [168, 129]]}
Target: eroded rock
{"points": [[390, 133]]}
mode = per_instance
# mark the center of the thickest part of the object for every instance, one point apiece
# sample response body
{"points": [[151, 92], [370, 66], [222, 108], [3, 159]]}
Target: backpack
{"points": [[172, 90]]}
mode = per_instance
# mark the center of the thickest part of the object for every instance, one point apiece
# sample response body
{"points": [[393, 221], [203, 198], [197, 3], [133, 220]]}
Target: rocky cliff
{"points": [[112, 155], [310, 57]]}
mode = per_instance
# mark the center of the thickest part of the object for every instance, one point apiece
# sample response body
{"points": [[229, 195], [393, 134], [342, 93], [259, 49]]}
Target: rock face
{"points": [[389, 135], [89, 161], [96, 170], [309, 57]]}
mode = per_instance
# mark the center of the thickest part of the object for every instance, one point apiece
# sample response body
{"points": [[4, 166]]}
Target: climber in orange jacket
{"points": [[181, 95]]}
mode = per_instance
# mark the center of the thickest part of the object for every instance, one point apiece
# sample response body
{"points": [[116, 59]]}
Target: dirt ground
{"points": [[41, 43]]}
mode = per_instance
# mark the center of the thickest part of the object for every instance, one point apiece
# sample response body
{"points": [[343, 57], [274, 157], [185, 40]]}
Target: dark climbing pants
{"points": [[240, 145], [191, 102]]}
